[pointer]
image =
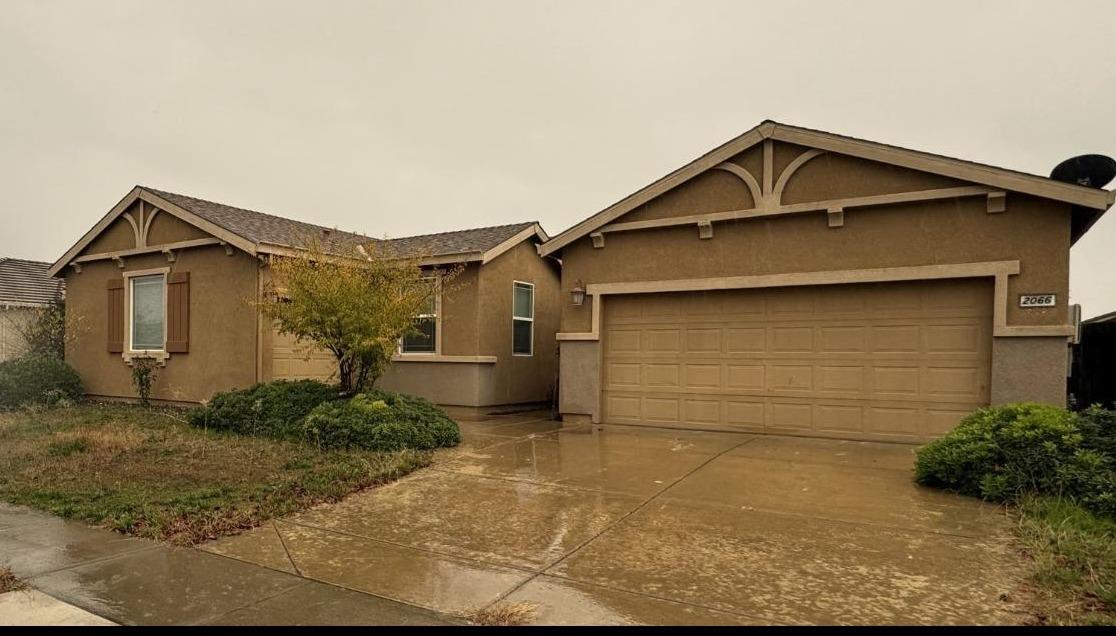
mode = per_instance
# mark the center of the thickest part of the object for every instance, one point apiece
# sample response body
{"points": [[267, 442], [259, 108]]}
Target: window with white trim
{"points": [[424, 337], [148, 318], [523, 318]]}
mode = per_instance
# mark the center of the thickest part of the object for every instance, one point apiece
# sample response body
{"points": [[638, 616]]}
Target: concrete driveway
{"points": [[618, 524]]}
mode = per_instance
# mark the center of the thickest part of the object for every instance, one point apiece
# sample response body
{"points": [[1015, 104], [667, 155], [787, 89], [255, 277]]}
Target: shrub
{"points": [[1098, 430], [37, 380], [272, 409], [1001, 453], [143, 376], [381, 421]]}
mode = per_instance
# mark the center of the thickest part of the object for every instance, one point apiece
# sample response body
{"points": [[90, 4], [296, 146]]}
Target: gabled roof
{"points": [[27, 284], [261, 233], [1089, 203]]}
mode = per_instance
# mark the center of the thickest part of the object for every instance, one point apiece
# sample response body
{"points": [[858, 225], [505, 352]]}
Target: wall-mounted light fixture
{"points": [[577, 294]]}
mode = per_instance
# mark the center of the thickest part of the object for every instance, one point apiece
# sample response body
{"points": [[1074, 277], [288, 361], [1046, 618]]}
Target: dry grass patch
{"points": [[505, 614], [9, 582], [1075, 562], [146, 472]]}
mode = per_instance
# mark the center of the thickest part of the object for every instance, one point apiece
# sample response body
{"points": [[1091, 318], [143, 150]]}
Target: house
{"points": [[25, 289], [172, 277], [800, 282]]}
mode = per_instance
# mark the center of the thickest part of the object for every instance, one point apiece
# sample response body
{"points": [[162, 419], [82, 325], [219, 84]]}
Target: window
{"points": [[523, 318], [424, 339], [148, 319]]}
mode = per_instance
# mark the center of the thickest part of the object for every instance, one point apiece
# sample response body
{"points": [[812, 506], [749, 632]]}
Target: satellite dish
{"points": [[1094, 171]]}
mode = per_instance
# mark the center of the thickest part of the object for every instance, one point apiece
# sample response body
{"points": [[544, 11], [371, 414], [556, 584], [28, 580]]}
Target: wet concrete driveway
{"points": [[627, 525]]}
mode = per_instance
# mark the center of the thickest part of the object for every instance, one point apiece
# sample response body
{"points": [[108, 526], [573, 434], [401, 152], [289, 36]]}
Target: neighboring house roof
{"points": [[260, 233], [27, 284], [1109, 317], [1089, 203]]}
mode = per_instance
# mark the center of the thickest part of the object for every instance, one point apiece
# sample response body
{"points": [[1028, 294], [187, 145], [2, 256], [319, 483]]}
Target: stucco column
{"points": [[1029, 369], [579, 379]]}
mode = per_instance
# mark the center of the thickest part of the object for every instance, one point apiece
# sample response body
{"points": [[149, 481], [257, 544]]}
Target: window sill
{"points": [[160, 357], [434, 357]]}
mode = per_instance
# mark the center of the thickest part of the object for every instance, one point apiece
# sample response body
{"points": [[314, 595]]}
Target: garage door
{"points": [[891, 361], [292, 360]]}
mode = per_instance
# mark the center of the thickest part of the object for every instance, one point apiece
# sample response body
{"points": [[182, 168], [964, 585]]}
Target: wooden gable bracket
{"points": [[76, 266], [997, 202], [836, 217], [228, 248], [119, 260], [170, 255], [705, 229], [598, 239]]}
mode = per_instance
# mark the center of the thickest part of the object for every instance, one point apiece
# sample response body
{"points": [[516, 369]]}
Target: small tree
{"points": [[356, 308]]}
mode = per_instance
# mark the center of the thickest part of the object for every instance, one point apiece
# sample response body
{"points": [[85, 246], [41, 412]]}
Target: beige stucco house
{"points": [[170, 276], [25, 289], [799, 282]]}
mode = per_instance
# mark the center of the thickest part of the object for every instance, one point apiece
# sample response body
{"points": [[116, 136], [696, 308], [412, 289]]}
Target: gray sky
{"points": [[397, 118]]}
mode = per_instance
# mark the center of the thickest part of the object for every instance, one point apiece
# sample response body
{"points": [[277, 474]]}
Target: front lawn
{"points": [[147, 472]]}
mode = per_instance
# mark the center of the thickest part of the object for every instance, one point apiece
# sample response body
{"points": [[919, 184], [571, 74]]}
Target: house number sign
{"points": [[1036, 300]]}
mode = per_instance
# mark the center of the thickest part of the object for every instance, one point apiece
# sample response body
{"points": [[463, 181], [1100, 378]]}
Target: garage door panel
{"points": [[746, 377], [703, 376], [897, 361]]}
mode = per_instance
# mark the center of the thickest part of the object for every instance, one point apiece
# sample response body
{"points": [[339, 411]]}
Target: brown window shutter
{"points": [[115, 328], [178, 312]]}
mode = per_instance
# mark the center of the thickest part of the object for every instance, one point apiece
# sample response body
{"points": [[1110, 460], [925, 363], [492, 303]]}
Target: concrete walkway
{"points": [[102, 576]]}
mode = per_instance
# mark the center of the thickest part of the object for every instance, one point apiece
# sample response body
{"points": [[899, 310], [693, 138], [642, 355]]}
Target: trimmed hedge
{"points": [[37, 380], [381, 421], [1001, 453], [272, 409]]}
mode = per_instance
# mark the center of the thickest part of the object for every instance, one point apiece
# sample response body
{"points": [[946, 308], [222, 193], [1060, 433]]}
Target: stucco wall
{"points": [[520, 379], [449, 383], [222, 352]]}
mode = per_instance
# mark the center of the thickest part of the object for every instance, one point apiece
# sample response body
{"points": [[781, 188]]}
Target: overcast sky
{"points": [[406, 117]]}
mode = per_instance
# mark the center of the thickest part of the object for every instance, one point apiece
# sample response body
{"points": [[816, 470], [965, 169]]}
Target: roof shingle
{"points": [[259, 227], [25, 282]]}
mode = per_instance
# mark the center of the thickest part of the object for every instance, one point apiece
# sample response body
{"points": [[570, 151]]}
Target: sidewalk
{"points": [[138, 582]]}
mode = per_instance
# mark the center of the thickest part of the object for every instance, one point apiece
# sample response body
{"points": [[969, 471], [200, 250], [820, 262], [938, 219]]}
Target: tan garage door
{"points": [[891, 361], [293, 360]]}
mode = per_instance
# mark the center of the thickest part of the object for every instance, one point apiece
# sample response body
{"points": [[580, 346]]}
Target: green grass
{"points": [[146, 472], [1075, 557]]}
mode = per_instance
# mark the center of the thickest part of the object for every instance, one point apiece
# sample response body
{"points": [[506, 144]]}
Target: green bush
{"points": [[41, 380], [381, 421], [271, 409], [1001, 453]]}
